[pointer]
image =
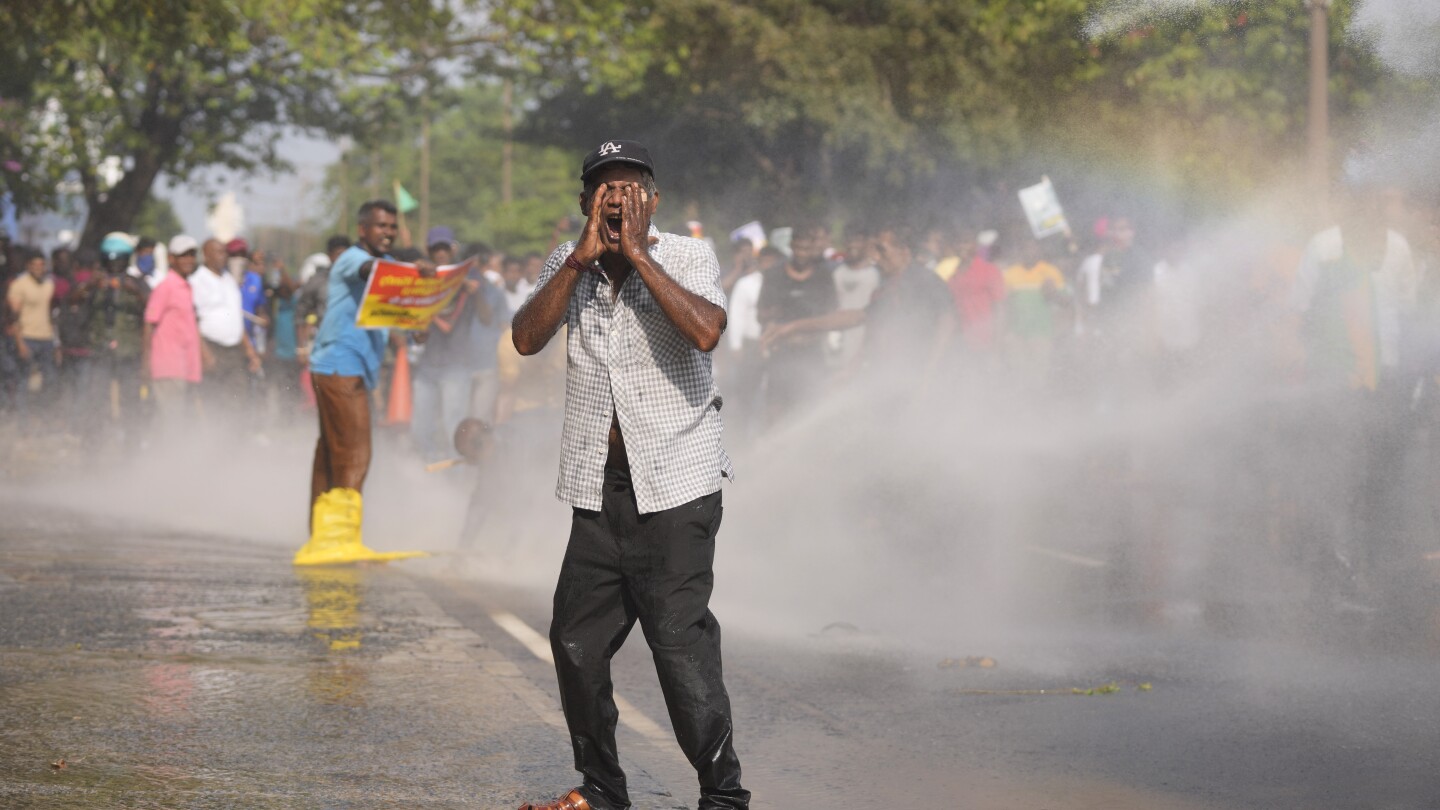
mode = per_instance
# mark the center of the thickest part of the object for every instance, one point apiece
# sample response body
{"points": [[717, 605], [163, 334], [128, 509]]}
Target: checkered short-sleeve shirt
{"points": [[625, 357]]}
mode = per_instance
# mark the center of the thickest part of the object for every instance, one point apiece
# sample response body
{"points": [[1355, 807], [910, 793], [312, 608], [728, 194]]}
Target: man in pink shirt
{"points": [[172, 336]]}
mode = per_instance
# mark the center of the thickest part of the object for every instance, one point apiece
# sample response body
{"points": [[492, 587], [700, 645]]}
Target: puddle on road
{"points": [[332, 599], [219, 692]]}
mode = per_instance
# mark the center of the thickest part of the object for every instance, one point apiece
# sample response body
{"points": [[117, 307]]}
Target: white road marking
{"points": [[638, 722], [1074, 559], [539, 646]]}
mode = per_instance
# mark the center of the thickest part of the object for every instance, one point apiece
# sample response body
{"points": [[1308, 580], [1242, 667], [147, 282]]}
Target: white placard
{"points": [[753, 231], [1042, 208]]}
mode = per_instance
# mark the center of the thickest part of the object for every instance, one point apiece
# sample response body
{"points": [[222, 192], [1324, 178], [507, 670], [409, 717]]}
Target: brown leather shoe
{"points": [[571, 801]]}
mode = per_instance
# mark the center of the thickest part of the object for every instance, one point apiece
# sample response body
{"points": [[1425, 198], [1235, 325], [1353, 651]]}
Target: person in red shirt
{"points": [[62, 265], [978, 289]]}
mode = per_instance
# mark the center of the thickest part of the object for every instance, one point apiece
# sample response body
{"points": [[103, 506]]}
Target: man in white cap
{"points": [[172, 336]]}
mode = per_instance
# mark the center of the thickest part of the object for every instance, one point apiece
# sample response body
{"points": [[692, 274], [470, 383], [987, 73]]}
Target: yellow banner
{"points": [[398, 297]]}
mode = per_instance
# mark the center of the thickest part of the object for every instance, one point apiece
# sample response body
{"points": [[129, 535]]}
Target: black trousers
{"points": [[621, 566]]}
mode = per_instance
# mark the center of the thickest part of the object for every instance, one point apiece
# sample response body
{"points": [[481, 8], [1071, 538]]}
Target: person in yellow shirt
{"points": [[30, 297], [1033, 287], [961, 246]]}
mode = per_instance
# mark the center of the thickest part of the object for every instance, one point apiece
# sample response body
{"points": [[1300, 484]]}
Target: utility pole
{"points": [[1319, 157], [345, 156], [507, 151], [375, 172], [425, 165]]}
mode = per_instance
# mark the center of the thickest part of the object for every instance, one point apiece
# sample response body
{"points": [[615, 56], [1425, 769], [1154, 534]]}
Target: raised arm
{"points": [[539, 318], [838, 320], [698, 319]]}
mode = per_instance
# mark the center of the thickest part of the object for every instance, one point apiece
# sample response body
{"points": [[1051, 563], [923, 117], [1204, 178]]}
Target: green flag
{"points": [[403, 200]]}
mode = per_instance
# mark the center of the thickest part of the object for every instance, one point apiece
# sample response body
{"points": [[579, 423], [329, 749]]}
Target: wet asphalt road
{"points": [[177, 670]]}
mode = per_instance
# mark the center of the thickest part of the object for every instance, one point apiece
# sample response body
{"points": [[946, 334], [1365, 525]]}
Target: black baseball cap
{"points": [[617, 152]]}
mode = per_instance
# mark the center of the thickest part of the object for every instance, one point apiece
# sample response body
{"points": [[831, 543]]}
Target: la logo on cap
{"points": [[609, 148]]}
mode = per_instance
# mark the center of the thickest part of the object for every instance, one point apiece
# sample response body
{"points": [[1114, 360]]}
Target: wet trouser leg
{"points": [[621, 566], [342, 453]]}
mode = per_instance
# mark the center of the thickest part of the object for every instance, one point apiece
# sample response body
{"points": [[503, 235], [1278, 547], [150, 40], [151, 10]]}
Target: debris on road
{"points": [[1110, 688], [980, 661], [1107, 689]]}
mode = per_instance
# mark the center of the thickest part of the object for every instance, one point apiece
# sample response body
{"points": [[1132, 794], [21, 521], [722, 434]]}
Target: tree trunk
{"points": [[116, 209], [343, 226], [1319, 135]]}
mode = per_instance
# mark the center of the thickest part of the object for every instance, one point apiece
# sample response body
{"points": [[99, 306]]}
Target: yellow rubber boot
{"points": [[335, 539]]}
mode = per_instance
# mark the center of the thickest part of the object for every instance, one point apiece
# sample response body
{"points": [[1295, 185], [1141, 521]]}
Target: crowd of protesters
{"points": [[116, 345], [1319, 350]]}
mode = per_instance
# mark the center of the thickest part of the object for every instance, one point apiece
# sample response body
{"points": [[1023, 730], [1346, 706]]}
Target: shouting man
{"points": [[641, 467]]}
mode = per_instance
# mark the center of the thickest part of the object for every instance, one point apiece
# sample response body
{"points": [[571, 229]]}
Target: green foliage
{"points": [[466, 168], [156, 219], [1220, 95], [588, 43], [290, 245], [177, 85], [823, 103], [771, 106]]}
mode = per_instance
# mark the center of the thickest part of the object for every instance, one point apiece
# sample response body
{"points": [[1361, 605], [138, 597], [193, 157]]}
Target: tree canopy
{"points": [[176, 85], [466, 167], [819, 103], [773, 105]]}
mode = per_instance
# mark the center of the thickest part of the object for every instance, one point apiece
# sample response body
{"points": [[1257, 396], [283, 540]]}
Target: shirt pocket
{"points": [[589, 324], [654, 339]]}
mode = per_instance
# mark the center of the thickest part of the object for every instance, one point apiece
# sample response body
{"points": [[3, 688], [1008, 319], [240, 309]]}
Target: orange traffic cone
{"points": [[307, 390], [399, 408]]}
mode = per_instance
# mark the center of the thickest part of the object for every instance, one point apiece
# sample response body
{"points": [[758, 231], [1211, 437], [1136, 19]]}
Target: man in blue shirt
{"points": [[344, 369], [252, 290]]}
